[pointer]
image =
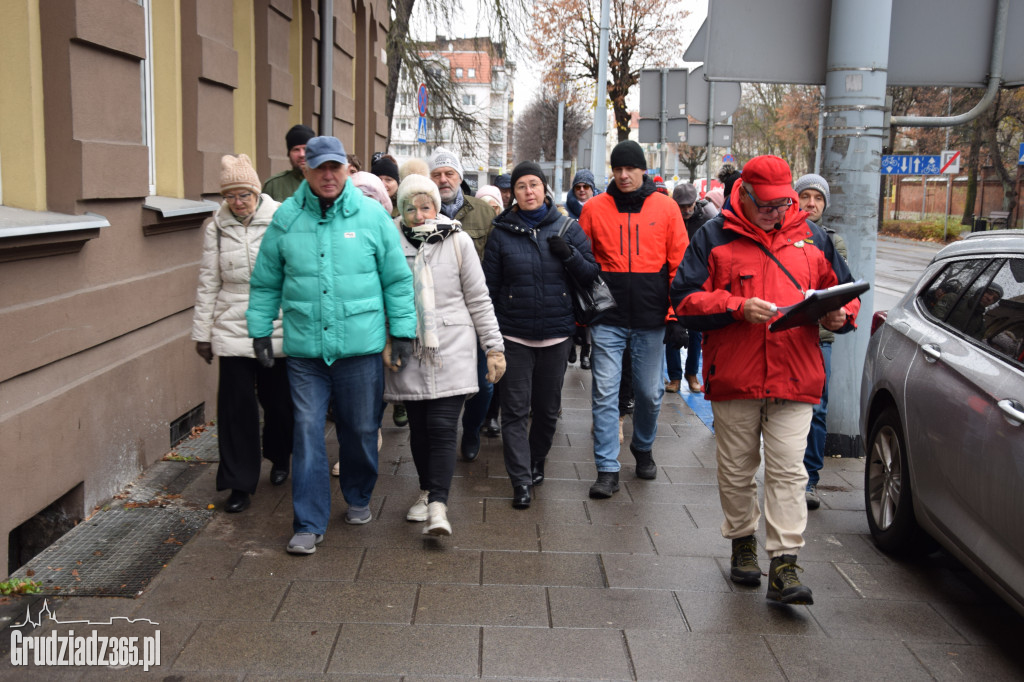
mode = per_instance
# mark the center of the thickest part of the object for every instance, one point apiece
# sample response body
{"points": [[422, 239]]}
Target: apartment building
{"points": [[483, 75]]}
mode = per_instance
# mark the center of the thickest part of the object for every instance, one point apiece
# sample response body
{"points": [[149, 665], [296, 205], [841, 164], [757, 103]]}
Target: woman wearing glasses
{"points": [[230, 243]]}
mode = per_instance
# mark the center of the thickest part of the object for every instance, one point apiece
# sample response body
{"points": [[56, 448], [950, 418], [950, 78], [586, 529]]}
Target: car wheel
{"points": [[888, 498]]}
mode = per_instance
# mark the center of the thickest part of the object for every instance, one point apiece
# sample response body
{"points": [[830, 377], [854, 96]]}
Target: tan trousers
{"points": [[739, 426]]}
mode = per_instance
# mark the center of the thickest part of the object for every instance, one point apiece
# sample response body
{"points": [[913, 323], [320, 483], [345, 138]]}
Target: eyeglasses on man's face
{"points": [[767, 209]]}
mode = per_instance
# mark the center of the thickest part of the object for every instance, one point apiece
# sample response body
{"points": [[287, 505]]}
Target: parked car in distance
{"points": [[942, 412]]}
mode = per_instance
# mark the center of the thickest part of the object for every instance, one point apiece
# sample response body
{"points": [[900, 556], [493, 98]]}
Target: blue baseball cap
{"points": [[323, 148]]}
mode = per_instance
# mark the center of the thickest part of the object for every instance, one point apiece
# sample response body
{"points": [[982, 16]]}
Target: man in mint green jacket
{"points": [[332, 262]]}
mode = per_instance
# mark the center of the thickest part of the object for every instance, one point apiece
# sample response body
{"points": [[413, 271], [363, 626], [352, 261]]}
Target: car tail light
{"points": [[877, 320]]}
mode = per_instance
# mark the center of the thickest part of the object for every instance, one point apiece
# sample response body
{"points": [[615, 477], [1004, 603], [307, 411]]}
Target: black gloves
{"points": [[205, 350], [676, 335], [401, 351], [264, 351], [560, 249]]}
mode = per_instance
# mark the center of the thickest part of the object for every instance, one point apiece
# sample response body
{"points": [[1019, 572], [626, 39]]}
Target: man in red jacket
{"points": [[761, 254], [638, 237]]}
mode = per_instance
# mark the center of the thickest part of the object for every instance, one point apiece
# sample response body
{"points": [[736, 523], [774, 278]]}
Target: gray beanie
{"points": [[445, 158], [813, 181]]}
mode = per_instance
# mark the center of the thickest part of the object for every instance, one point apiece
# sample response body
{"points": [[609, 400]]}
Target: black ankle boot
{"points": [[585, 356], [537, 469], [521, 496]]}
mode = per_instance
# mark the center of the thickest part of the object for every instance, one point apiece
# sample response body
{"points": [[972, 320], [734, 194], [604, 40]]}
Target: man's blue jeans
{"points": [[647, 353], [475, 411], [814, 455], [356, 386]]}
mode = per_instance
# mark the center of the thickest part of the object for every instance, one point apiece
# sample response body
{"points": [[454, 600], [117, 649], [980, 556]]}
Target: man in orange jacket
{"points": [[638, 237]]}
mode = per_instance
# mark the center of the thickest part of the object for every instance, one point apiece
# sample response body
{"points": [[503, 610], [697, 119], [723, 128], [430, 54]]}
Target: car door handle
{"points": [[1012, 411], [931, 352]]}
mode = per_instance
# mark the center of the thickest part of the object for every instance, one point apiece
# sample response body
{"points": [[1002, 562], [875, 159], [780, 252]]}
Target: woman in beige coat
{"points": [[231, 241], [453, 311]]}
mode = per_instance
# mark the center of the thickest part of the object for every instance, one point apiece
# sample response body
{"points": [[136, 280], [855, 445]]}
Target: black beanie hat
{"points": [[299, 134], [385, 167], [528, 168], [628, 153]]}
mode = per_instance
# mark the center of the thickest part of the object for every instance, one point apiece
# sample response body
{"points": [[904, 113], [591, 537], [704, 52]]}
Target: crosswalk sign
{"points": [[421, 130]]}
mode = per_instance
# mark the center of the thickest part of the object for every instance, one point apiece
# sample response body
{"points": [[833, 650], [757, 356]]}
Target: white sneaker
{"points": [[438, 520], [418, 511], [380, 439], [336, 471]]}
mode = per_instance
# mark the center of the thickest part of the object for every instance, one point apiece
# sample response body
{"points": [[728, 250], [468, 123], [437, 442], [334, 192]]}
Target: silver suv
{"points": [[942, 412]]}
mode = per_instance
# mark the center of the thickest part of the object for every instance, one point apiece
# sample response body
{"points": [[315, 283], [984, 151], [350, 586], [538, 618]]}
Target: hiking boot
{"points": [[438, 512], [418, 510], [606, 484], [811, 495], [694, 383], [672, 386], [745, 570], [399, 415], [645, 466], [783, 585]]}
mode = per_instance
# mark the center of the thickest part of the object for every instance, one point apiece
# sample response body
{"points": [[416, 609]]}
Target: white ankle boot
{"points": [[438, 525], [418, 510]]}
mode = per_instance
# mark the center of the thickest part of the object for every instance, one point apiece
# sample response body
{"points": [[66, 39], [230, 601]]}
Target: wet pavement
{"points": [[631, 588]]}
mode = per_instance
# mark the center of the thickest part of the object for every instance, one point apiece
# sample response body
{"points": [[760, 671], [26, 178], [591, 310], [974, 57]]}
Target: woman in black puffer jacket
{"points": [[524, 264]]}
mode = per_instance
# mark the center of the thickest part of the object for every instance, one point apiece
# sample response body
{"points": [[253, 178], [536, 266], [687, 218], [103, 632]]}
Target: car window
{"points": [[968, 315], [946, 290], [1003, 320]]}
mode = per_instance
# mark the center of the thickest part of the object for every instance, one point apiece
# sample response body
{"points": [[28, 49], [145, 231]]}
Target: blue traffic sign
{"points": [[421, 129], [1020, 156], [905, 164]]}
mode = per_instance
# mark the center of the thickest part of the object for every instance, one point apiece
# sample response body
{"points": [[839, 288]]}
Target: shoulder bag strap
{"points": [[777, 262]]}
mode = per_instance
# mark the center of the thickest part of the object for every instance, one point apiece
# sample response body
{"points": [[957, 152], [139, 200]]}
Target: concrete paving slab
{"points": [[671, 540], [935, 580], [845, 548], [690, 475], [615, 608], [986, 623], [502, 605], [499, 509], [547, 568], [807, 658], [883, 619], [558, 537], [706, 516], [514, 536], [675, 655], [966, 662], [341, 602], [837, 521], [671, 493], [331, 563], [404, 650], [620, 510], [281, 648], [664, 573], [748, 613], [435, 563], [555, 654], [190, 599]]}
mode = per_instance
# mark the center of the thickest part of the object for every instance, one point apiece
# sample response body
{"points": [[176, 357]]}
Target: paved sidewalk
{"points": [[632, 588]]}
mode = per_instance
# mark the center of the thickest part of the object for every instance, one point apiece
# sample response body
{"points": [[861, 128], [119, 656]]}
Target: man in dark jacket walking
{"points": [[638, 238]]}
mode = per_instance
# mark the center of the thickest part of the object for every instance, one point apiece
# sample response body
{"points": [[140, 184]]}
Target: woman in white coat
{"points": [[453, 311], [231, 241]]}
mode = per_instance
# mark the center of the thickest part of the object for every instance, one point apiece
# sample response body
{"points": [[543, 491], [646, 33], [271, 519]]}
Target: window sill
{"points": [[167, 214], [38, 234]]}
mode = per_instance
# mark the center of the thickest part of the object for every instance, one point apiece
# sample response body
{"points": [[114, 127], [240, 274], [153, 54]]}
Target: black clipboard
{"points": [[817, 303]]}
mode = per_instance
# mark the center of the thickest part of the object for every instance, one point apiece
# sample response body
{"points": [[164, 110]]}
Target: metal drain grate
{"points": [[116, 553], [202, 447]]}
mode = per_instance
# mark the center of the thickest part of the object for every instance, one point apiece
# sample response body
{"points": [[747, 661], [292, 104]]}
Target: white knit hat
{"points": [[417, 184], [444, 158]]}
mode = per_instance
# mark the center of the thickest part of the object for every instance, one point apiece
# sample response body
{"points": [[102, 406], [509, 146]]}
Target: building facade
{"points": [[112, 126], [483, 76]]}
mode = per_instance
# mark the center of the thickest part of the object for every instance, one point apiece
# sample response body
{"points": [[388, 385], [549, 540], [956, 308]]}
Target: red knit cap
{"points": [[770, 178]]}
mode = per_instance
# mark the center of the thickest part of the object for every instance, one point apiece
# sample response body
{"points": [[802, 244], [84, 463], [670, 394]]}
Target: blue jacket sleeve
{"points": [[395, 279]]}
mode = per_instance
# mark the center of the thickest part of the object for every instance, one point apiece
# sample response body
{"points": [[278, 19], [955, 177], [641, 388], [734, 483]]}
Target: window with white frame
{"points": [[469, 100]]}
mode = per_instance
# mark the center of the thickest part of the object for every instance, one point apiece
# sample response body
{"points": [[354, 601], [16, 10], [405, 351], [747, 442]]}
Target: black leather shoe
{"points": [[278, 476], [470, 446], [572, 353], [521, 496], [537, 469], [238, 501], [491, 428], [585, 359]]}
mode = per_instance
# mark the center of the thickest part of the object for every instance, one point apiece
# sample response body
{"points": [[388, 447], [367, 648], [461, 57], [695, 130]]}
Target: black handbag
{"points": [[588, 302]]}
